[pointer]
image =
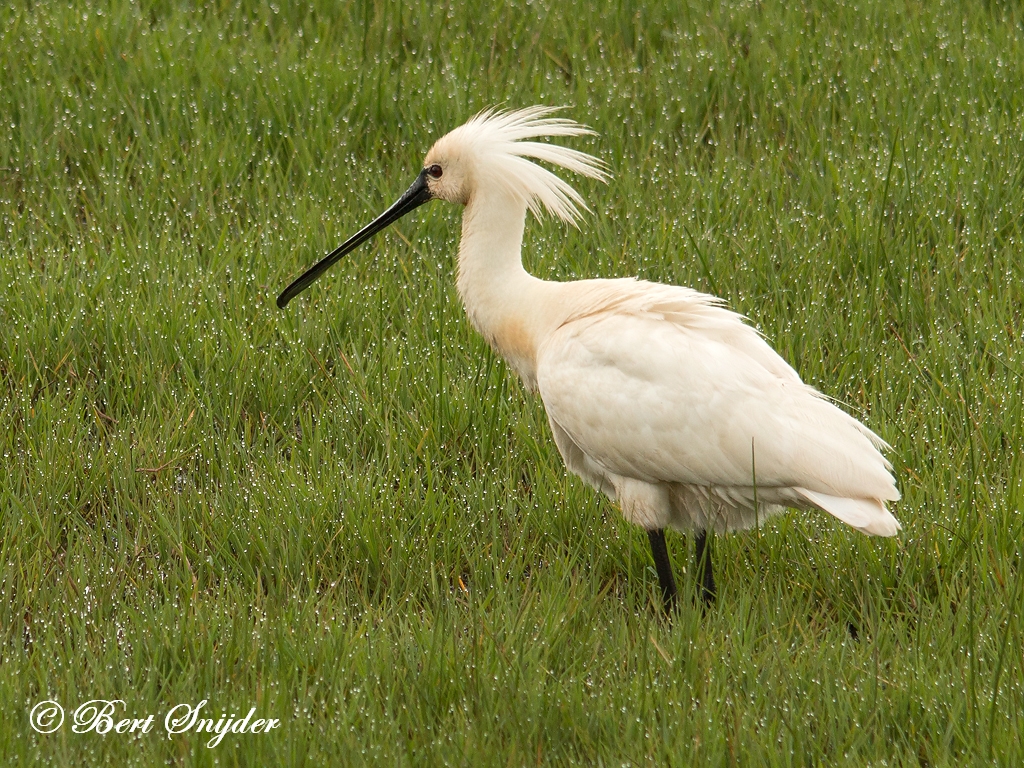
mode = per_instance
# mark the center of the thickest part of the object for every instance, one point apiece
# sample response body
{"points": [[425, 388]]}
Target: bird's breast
{"points": [[512, 340]]}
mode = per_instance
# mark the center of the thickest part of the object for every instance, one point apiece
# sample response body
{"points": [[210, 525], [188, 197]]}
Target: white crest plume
{"points": [[502, 153]]}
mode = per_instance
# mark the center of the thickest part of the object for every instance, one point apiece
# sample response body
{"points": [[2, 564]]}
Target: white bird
{"points": [[656, 394]]}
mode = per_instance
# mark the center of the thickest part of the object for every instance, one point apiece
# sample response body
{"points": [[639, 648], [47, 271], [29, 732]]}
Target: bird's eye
{"points": [[435, 171]]}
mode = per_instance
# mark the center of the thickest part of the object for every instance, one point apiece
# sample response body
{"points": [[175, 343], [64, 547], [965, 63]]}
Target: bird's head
{"points": [[491, 151], [449, 170]]}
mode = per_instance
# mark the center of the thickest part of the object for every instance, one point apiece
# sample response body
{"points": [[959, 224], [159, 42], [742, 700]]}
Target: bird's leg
{"points": [[705, 574], [664, 567]]}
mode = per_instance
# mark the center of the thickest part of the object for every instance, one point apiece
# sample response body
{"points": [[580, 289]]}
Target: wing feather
{"points": [[675, 388]]}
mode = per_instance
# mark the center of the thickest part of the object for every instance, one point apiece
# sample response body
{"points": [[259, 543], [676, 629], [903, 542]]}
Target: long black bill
{"points": [[414, 197]]}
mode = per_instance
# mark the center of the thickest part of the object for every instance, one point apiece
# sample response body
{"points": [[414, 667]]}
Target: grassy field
{"points": [[352, 517]]}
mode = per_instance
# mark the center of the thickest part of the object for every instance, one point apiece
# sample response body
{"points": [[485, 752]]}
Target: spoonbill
{"points": [[656, 394]]}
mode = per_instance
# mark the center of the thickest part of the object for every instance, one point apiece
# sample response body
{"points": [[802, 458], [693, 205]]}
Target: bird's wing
{"points": [[675, 388]]}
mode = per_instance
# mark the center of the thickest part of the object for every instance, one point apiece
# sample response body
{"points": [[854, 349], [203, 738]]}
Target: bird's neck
{"points": [[504, 302]]}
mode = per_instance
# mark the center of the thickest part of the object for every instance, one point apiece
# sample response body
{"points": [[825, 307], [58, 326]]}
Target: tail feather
{"points": [[866, 515]]}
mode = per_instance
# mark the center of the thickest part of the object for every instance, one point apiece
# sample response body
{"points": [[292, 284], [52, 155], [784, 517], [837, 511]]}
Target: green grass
{"points": [[350, 515]]}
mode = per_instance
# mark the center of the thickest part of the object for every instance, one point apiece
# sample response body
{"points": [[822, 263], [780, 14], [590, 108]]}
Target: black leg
{"points": [[664, 566], [705, 573]]}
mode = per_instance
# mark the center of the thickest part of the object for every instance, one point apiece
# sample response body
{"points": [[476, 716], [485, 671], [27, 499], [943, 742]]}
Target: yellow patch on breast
{"points": [[513, 342]]}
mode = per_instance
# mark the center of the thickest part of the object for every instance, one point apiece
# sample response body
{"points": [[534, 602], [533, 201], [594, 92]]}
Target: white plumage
{"points": [[657, 395], [672, 405]]}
